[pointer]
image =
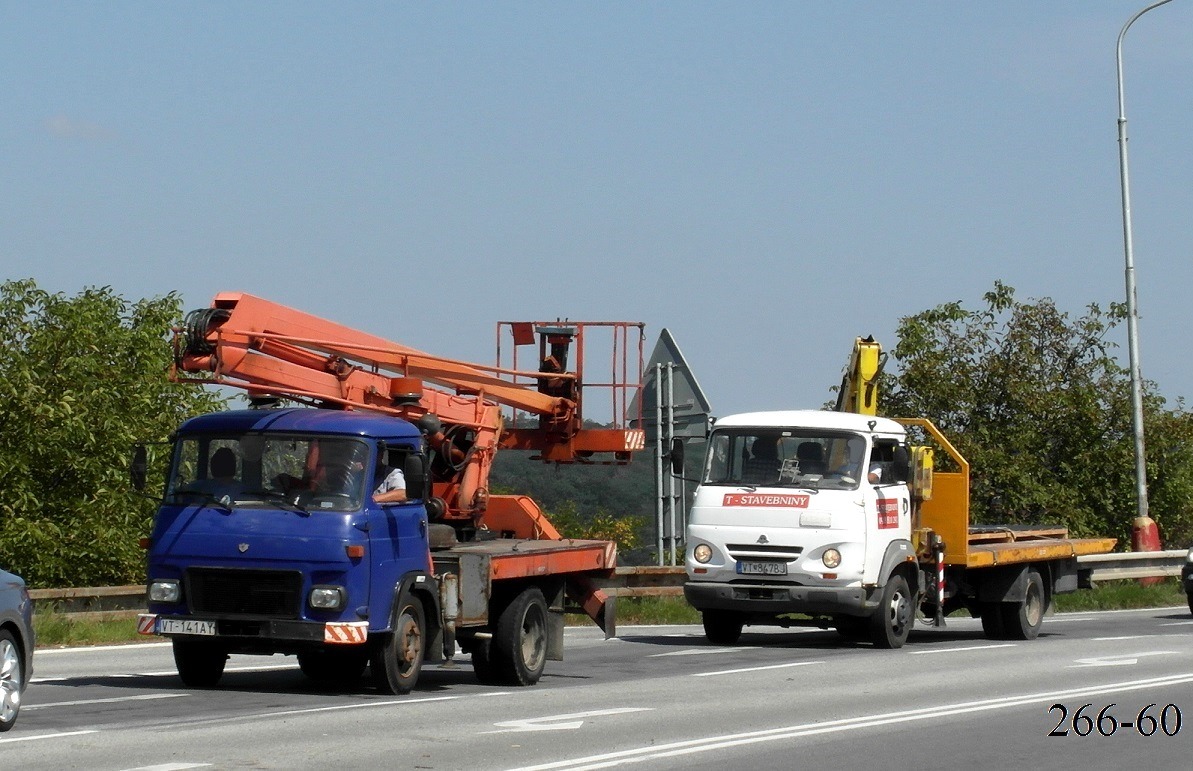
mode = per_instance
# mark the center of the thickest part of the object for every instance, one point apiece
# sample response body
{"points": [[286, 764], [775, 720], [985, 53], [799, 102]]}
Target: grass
{"points": [[57, 629], [1119, 595]]}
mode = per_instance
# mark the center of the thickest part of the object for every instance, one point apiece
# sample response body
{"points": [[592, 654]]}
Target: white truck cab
{"points": [[809, 512]]}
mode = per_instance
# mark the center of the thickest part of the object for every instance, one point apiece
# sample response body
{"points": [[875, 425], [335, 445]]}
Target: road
{"points": [[657, 697]]}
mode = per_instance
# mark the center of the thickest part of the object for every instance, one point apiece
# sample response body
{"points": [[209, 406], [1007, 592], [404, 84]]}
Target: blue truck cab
{"points": [[268, 540]]}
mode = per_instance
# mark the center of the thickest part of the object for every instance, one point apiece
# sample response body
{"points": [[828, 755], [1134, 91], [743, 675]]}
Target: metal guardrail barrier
{"points": [[630, 581]]}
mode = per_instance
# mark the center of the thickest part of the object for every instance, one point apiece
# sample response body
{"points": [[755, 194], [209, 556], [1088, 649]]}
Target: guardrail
{"points": [[630, 581]]}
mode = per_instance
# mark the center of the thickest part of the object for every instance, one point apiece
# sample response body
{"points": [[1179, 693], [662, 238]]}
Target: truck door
{"points": [[888, 507], [397, 534]]}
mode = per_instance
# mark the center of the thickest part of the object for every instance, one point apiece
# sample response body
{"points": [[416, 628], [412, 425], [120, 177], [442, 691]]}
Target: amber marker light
{"points": [[355, 551]]}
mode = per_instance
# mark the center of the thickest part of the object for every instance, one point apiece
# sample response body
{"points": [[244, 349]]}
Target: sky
{"points": [[765, 180]]}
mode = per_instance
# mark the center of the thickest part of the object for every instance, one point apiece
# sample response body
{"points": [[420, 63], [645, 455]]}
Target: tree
{"points": [[82, 379], [1038, 404]]}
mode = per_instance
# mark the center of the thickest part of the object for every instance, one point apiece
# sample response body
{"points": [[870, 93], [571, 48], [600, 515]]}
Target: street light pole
{"points": [[1132, 310]]}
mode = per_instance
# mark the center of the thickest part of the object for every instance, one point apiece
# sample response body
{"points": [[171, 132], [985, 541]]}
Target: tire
{"points": [[200, 663], [333, 667], [518, 650], [893, 618], [482, 664], [12, 681], [852, 628], [398, 660], [722, 627], [1022, 620], [1190, 598], [992, 620]]}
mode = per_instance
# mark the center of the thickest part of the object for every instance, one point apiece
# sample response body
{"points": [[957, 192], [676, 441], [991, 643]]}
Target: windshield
{"points": [[316, 473], [756, 457]]}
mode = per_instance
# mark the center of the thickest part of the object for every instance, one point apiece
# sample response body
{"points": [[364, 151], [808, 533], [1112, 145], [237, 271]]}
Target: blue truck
{"points": [[289, 553]]}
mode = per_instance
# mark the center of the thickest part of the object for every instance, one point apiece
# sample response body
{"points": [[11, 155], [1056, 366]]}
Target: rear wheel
{"points": [[398, 660], [992, 620], [200, 663], [11, 680], [517, 653], [722, 627], [1190, 597], [892, 620], [1022, 620]]}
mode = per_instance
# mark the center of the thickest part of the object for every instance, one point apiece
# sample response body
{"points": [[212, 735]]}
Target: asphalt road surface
{"points": [[657, 697]]}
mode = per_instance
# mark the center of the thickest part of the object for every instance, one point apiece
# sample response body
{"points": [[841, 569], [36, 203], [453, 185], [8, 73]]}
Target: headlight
{"points": [[1189, 556], [702, 553], [165, 591], [832, 558], [327, 597]]}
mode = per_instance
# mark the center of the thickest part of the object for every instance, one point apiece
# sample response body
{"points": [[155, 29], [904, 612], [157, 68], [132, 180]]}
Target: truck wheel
{"points": [[518, 650], [333, 666], [200, 663], [992, 620], [722, 627], [892, 620], [1190, 597], [398, 660], [482, 665], [11, 681], [1022, 620]]}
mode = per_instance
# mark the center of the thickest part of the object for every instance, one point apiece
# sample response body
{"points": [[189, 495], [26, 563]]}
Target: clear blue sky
{"points": [[767, 180]]}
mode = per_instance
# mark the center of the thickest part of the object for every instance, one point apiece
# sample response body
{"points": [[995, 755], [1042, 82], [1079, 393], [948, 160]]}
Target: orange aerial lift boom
{"points": [[272, 350]]}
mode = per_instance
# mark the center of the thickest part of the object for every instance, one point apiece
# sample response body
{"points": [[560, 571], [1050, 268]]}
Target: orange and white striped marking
{"points": [[346, 632]]}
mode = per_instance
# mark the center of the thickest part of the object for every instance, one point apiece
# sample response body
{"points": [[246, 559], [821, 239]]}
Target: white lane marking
{"points": [[170, 767], [162, 673], [113, 700], [1123, 637], [699, 652], [567, 722], [1059, 620], [45, 736], [386, 703], [756, 669], [1122, 660], [961, 650], [90, 648], [1178, 623], [673, 749]]}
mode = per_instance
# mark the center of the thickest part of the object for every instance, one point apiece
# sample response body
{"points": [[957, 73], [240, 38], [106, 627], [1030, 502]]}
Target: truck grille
{"points": [[741, 551], [276, 593]]}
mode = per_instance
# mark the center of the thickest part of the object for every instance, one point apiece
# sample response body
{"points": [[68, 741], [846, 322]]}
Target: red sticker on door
{"points": [[888, 513]]}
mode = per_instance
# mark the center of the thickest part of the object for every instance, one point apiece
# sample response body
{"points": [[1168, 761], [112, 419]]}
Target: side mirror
{"points": [[414, 468], [677, 455], [138, 468], [901, 467]]}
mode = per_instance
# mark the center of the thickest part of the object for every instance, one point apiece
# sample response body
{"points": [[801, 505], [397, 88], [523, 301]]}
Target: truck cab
{"points": [[268, 540], [803, 511]]}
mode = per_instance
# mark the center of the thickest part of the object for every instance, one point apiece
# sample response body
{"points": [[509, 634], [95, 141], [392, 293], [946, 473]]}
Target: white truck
{"points": [[831, 518]]}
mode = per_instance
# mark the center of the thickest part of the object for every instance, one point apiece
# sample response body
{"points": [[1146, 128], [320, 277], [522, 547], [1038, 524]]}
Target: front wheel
{"points": [[398, 660], [11, 681], [1190, 597], [518, 650], [722, 627], [894, 616], [200, 663]]}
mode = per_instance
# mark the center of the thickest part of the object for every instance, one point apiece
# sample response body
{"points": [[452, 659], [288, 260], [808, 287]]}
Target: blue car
{"points": [[16, 646]]}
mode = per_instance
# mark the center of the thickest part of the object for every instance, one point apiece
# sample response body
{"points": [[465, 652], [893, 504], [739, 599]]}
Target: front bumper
{"points": [[261, 633], [774, 599]]}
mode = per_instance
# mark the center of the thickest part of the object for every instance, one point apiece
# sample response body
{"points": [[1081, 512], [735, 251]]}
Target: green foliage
{"points": [[1119, 595], [82, 379], [1039, 406], [586, 501]]}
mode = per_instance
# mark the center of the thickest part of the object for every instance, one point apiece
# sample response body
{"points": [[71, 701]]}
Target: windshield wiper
{"points": [[223, 502], [280, 498]]}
